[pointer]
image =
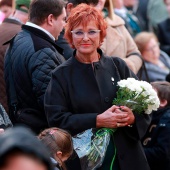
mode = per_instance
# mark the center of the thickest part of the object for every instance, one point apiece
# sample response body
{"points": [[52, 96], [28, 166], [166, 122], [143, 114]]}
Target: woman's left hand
{"points": [[131, 117]]}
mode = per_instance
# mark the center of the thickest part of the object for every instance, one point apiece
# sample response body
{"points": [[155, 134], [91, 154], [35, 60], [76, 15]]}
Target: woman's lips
{"points": [[85, 44]]}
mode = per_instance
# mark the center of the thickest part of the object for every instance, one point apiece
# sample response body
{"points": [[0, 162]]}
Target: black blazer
{"points": [[62, 43], [78, 92]]}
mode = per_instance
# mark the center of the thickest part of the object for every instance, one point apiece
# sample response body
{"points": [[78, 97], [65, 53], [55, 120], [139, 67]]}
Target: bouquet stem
{"points": [[113, 160]]}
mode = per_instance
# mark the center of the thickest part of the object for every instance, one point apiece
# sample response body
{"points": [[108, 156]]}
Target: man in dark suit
{"points": [[31, 59], [164, 31]]}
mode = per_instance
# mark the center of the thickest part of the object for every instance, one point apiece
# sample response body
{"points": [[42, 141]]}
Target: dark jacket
{"points": [[164, 35], [34, 55], [78, 92], [5, 122], [157, 140], [62, 42], [8, 29]]}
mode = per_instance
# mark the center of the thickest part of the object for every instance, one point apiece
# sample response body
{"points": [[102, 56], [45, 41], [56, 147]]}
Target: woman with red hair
{"points": [[81, 90]]}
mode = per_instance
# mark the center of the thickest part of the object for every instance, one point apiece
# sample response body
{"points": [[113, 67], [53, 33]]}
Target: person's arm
{"points": [[115, 117], [133, 56], [58, 109], [40, 67], [164, 46]]}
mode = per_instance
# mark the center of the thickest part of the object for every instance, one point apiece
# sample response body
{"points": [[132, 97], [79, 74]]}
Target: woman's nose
{"points": [[85, 36]]}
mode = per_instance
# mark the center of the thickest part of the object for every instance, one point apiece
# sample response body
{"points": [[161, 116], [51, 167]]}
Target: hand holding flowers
{"points": [[128, 120], [137, 95]]}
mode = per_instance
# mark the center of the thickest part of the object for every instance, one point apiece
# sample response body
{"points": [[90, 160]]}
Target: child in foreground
{"points": [[59, 143]]}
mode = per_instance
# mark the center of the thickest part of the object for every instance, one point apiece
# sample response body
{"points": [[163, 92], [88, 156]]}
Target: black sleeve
{"points": [[58, 110], [161, 37]]}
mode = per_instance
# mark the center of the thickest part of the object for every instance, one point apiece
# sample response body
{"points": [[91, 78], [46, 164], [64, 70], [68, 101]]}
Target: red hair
{"points": [[82, 14]]}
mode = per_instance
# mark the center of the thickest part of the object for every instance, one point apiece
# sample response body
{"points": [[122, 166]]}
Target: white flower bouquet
{"points": [[137, 95], [91, 146]]}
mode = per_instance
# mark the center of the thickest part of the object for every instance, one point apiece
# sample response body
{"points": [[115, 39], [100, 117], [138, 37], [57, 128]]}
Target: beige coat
{"points": [[118, 42]]}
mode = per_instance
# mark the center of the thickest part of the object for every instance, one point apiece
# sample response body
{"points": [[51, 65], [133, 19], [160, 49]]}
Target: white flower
{"points": [[145, 95], [123, 83]]}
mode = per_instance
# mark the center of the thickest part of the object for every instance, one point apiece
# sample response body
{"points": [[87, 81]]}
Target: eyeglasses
{"points": [[81, 34], [153, 47]]}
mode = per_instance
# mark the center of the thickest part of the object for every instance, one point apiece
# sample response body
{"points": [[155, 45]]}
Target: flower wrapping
{"points": [[137, 95], [91, 146]]}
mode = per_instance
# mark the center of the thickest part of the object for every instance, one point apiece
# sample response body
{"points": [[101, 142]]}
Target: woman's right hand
{"points": [[110, 119]]}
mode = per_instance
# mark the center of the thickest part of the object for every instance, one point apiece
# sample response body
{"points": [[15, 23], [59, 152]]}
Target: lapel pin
{"points": [[112, 79]]}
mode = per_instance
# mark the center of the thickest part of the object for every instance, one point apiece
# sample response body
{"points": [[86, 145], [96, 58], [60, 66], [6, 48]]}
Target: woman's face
{"points": [[6, 10], [89, 42], [151, 51]]}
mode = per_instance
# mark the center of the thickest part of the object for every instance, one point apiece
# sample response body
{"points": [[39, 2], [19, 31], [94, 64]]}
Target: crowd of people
{"points": [[60, 65]]}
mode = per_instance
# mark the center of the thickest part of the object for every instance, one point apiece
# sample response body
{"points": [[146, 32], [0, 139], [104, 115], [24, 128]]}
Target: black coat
{"points": [[78, 92], [62, 43], [164, 35], [34, 55], [157, 140]]}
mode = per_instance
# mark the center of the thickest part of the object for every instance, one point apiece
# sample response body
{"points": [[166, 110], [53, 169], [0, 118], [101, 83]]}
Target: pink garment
{"points": [[2, 17]]}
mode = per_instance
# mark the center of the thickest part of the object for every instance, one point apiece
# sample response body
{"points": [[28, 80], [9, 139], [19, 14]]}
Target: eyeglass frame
{"points": [[153, 47], [90, 36]]}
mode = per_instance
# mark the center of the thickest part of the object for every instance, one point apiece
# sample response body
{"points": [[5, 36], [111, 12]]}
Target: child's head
{"points": [[59, 142], [7, 7], [163, 91]]}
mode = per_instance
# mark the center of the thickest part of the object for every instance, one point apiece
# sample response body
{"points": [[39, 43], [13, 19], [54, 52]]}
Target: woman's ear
{"points": [[69, 7], [163, 103]]}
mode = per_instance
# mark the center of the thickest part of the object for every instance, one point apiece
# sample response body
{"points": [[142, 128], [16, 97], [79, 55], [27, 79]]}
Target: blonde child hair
{"points": [[59, 142]]}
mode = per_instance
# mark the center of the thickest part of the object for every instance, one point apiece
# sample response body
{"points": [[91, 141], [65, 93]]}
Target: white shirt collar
{"points": [[40, 28], [16, 19]]}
